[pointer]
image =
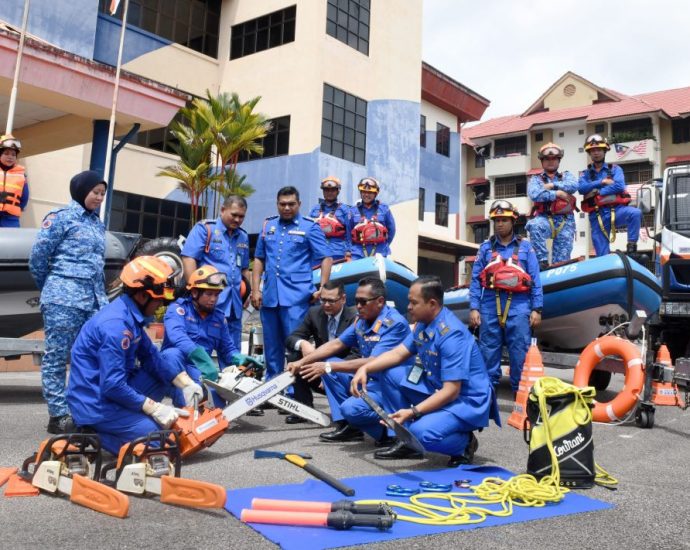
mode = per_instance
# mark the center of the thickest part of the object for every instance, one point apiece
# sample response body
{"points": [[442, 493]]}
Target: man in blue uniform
{"points": [[194, 327], [554, 204], [118, 378], [334, 219], [506, 296], [14, 188], [603, 187], [379, 328], [373, 225], [289, 245], [448, 385], [224, 245]]}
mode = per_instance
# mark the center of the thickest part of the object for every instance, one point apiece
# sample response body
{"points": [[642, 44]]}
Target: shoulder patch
{"points": [[125, 342], [388, 322], [180, 311], [47, 223], [443, 329]]}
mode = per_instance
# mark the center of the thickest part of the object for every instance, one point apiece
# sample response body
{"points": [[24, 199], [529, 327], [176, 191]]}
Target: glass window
{"points": [[422, 131], [343, 126], [512, 186], [681, 130], [442, 139], [262, 33], [441, 210], [422, 197], [631, 130], [510, 146], [348, 21], [481, 232], [275, 143]]}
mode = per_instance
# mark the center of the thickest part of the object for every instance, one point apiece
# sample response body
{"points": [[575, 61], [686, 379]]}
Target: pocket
{"points": [[301, 277]]}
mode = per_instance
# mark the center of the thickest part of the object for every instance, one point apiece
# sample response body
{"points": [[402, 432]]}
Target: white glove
{"points": [[164, 415], [190, 391], [228, 378]]}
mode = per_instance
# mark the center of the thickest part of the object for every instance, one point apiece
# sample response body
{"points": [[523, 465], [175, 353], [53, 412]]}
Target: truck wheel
{"points": [[165, 248], [600, 379]]}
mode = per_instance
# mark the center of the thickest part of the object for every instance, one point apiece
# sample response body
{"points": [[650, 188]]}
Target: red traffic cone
{"points": [[665, 393], [532, 370]]}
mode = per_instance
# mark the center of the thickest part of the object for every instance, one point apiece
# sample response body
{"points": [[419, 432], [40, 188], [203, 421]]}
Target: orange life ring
{"points": [[591, 356]]}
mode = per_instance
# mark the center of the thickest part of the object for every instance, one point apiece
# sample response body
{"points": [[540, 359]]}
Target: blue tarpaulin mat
{"points": [[374, 488]]}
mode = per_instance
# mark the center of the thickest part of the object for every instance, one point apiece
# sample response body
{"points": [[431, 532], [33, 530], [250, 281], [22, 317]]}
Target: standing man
{"points": [[14, 188], [334, 219], [288, 246], [603, 187], [554, 204], [448, 386], [373, 225], [224, 245], [506, 297], [379, 328], [322, 324]]}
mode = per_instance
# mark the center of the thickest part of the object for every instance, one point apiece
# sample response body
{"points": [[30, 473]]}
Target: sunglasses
{"points": [[364, 301], [331, 300], [216, 279]]}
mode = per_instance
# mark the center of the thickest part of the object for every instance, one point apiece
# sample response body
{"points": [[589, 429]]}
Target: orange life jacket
{"points": [[13, 182], [592, 203], [330, 225], [558, 207], [369, 231], [508, 275]]}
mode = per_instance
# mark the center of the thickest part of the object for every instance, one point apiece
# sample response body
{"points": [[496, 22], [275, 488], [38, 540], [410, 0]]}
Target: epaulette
{"points": [[443, 328], [388, 322], [309, 219], [272, 217], [205, 221]]}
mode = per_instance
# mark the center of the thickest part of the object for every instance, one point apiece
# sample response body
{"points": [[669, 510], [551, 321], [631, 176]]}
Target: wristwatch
{"points": [[415, 412], [327, 367], [538, 310]]}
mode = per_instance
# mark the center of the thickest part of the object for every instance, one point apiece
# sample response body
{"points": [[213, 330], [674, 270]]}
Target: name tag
{"points": [[415, 374], [297, 232]]}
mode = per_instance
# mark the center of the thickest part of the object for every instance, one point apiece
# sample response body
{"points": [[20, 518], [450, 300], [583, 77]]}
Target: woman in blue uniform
{"points": [[373, 226]]}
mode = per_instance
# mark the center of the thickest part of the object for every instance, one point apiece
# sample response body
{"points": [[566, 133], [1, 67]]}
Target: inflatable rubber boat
{"points": [[578, 295]]}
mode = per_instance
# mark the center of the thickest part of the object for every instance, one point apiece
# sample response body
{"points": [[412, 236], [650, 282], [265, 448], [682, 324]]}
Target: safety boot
{"points": [[61, 424]]}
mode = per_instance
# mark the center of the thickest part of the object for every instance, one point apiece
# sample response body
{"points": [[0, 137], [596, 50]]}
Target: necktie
{"points": [[331, 328]]}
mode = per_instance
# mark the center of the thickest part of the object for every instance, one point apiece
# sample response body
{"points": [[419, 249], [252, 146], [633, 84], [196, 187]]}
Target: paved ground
{"points": [[651, 504]]}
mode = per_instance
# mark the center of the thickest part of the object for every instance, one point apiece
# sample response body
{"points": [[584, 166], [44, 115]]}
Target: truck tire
{"points": [[169, 251]]}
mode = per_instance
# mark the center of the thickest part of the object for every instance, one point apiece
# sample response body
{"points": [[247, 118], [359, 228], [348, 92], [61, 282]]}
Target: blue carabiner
{"points": [[430, 487], [398, 491]]}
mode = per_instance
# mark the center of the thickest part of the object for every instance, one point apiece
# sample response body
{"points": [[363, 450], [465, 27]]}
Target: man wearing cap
{"points": [[334, 219], [14, 188], [603, 187], [506, 297], [373, 225], [554, 204], [67, 262]]}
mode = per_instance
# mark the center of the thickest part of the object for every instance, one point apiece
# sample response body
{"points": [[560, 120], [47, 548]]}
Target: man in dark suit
{"points": [[323, 323]]}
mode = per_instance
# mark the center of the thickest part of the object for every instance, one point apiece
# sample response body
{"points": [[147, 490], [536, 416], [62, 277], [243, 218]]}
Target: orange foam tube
{"points": [[290, 505], [281, 517]]}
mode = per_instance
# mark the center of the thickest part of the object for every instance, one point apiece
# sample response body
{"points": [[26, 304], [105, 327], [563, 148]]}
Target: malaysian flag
{"points": [[640, 148], [621, 150], [113, 6]]}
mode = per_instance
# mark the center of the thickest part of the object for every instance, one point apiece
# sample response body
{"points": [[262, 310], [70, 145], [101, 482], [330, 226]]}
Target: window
{"points": [[481, 232], [481, 153], [348, 21], [512, 186], [441, 210], [561, 134], [539, 136], [681, 130], [422, 131], [276, 142], [151, 217], [422, 198], [520, 224], [344, 125], [630, 130], [268, 31], [580, 132], [442, 139], [599, 128], [637, 172], [511, 146], [192, 23], [481, 193]]}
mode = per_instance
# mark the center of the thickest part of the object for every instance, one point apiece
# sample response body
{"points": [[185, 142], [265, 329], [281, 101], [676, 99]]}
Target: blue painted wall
{"points": [[70, 25], [137, 41], [440, 174]]}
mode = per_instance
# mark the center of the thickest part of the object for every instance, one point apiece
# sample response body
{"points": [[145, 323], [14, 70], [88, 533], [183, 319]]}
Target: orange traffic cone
{"points": [[532, 370], [665, 393]]}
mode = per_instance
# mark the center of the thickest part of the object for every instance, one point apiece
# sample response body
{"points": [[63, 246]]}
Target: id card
{"points": [[415, 374]]}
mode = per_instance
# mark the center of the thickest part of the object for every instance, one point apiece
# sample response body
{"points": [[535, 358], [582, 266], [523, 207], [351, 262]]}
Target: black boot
{"points": [[399, 450], [342, 432], [294, 419], [631, 248], [61, 425], [468, 456], [543, 265]]}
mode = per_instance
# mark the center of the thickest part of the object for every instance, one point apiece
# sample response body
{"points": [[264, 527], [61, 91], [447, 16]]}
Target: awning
{"points": [[477, 219], [447, 245], [677, 159], [477, 181]]}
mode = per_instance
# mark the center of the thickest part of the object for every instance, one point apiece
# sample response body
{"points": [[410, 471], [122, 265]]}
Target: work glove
{"points": [[228, 378], [164, 415], [192, 391], [204, 363], [240, 359]]}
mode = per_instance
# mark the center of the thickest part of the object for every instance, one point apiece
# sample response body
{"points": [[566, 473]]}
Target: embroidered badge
{"points": [[125, 343], [180, 310]]}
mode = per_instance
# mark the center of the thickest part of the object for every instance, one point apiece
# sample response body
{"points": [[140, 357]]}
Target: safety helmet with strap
{"points": [[503, 209], [152, 274], [550, 150], [207, 277], [8, 141], [330, 182], [369, 185], [595, 141]]}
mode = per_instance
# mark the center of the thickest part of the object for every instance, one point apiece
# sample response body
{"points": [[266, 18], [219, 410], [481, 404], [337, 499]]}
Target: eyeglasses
{"points": [[364, 301], [331, 300]]}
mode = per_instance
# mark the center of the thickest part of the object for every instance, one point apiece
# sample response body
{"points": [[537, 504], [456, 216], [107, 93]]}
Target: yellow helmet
{"points": [[503, 209], [330, 182], [595, 141], [369, 185], [8, 141], [550, 150], [207, 277]]}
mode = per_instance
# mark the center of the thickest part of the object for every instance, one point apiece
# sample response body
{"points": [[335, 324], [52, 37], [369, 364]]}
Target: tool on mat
{"points": [[314, 506], [299, 460], [462, 483], [401, 432], [70, 464], [399, 491], [340, 519], [431, 487]]}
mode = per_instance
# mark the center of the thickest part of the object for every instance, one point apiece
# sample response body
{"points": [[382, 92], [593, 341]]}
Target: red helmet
{"points": [[152, 274]]}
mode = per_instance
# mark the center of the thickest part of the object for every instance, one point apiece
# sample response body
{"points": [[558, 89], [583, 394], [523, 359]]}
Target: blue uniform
{"points": [[186, 329], [8, 220], [387, 331], [338, 246], [288, 250], [384, 216], [114, 368], [67, 263], [516, 335], [229, 254], [447, 352], [543, 226], [628, 216]]}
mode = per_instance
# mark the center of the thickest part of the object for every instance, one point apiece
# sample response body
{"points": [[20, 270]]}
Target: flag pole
{"points": [[20, 50], [111, 128]]}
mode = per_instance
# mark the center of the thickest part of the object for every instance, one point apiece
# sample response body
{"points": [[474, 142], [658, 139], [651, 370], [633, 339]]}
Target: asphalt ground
{"points": [[652, 506]]}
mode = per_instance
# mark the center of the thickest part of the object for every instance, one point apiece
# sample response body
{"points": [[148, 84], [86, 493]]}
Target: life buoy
{"points": [[591, 356]]}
